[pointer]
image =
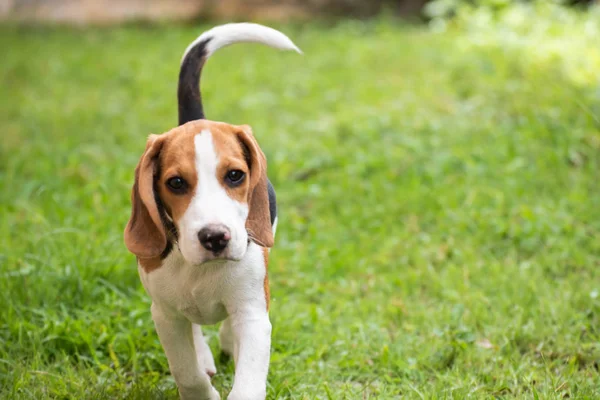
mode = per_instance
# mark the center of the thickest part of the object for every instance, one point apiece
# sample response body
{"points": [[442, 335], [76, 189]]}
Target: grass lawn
{"points": [[439, 232]]}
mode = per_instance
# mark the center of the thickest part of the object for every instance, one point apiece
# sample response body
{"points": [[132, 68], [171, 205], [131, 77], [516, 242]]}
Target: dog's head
{"points": [[203, 187]]}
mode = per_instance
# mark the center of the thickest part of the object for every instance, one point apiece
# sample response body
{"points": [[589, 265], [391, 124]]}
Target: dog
{"points": [[203, 220]]}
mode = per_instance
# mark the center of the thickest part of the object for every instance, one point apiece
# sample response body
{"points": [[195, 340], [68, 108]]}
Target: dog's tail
{"points": [[188, 91]]}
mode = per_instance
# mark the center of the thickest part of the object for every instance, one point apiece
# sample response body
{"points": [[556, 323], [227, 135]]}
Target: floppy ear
{"points": [[258, 223], [144, 234]]}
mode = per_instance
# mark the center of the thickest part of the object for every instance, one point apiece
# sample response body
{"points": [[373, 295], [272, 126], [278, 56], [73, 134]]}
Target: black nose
{"points": [[214, 238]]}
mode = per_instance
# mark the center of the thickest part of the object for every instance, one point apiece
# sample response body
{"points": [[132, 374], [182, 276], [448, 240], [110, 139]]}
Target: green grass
{"points": [[439, 231]]}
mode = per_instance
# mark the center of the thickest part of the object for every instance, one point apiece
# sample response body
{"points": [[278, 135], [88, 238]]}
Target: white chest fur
{"points": [[206, 294]]}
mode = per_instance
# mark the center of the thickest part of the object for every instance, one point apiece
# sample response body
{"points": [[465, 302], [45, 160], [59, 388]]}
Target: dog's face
{"points": [[204, 186]]}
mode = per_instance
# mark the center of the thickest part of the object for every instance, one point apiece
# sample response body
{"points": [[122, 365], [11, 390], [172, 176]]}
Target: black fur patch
{"points": [[272, 201], [188, 90]]}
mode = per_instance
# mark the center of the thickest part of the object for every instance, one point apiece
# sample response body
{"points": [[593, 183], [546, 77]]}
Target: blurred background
{"points": [[115, 11], [437, 166]]}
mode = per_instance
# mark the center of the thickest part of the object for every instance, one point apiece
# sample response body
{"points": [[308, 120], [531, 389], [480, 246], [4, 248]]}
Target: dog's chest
{"points": [[196, 293], [199, 300], [206, 294]]}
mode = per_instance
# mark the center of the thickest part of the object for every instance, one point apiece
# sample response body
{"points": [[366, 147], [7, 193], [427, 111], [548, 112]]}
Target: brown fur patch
{"points": [[231, 156], [258, 223], [144, 234], [149, 264], [178, 158], [266, 283]]}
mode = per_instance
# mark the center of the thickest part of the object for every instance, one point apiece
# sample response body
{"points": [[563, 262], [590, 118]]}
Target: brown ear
{"points": [[258, 223], [144, 234]]}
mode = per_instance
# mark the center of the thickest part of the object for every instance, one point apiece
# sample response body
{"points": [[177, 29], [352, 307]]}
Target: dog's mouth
{"points": [[220, 258], [197, 255]]}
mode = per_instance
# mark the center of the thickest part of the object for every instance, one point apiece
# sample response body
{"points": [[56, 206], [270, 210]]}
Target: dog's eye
{"points": [[177, 184], [235, 177]]}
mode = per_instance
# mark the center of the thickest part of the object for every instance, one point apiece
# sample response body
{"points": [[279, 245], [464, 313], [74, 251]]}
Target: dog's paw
{"points": [[214, 395], [205, 358], [247, 395], [211, 372]]}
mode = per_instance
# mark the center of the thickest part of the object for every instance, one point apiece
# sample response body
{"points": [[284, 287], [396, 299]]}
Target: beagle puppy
{"points": [[202, 222]]}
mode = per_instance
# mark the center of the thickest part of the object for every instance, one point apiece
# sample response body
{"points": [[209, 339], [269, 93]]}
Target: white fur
{"points": [[211, 205], [184, 294], [274, 226], [203, 352], [225, 35], [191, 289]]}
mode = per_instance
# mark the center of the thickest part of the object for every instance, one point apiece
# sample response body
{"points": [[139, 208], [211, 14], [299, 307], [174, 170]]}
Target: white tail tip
{"points": [[225, 35]]}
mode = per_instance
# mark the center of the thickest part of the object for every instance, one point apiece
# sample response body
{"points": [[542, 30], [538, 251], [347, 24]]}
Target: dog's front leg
{"points": [[251, 330], [176, 337]]}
